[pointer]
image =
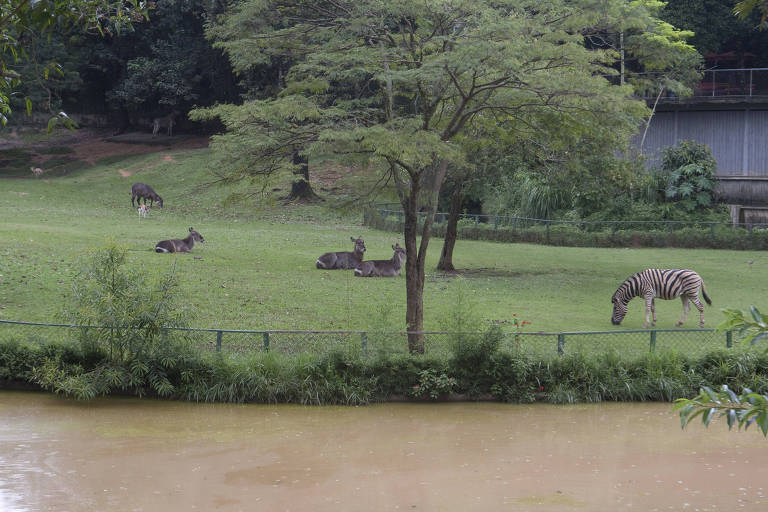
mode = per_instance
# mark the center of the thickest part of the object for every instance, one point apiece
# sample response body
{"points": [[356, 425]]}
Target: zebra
{"points": [[664, 284]]}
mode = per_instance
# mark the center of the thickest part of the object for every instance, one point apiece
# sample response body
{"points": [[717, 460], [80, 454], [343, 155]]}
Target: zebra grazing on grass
{"points": [[664, 284]]}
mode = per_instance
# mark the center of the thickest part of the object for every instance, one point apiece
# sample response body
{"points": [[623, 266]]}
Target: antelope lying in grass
{"points": [[343, 260], [177, 245], [383, 268]]}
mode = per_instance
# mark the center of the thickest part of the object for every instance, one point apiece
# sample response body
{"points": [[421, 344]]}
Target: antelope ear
{"points": [[353, 239], [191, 230]]}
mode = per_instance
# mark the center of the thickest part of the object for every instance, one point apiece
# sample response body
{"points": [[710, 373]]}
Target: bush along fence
{"points": [[712, 235], [540, 345]]}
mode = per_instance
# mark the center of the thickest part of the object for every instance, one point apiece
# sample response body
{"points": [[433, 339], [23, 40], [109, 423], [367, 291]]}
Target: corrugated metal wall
{"points": [[738, 140]]}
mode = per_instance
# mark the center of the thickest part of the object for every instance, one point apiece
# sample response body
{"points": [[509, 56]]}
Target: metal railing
{"points": [[733, 82], [505, 221], [717, 83], [628, 343], [609, 233]]}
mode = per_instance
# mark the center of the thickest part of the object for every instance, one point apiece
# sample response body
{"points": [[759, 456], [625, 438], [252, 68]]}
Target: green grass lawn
{"points": [[256, 269]]}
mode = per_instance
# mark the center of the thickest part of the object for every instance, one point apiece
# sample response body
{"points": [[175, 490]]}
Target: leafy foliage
{"points": [[167, 65], [751, 327], [128, 320], [739, 410], [433, 385], [130, 314], [21, 20], [691, 172]]}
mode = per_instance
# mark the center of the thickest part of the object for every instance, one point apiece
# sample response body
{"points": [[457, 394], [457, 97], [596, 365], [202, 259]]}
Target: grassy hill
{"points": [[256, 269]]}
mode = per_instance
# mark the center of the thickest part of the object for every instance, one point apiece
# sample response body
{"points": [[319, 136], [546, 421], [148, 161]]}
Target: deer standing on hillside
{"points": [[142, 190], [160, 122], [176, 245], [36, 171], [383, 268], [343, 260]]}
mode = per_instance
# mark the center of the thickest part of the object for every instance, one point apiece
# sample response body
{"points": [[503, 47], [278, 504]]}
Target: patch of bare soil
{"points": [[92, 145], [330, 177], [92, 150]]}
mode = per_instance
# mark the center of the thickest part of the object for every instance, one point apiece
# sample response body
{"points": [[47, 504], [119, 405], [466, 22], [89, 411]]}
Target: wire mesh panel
{"points": [[532, 344], [541, 345], [37, 333], [638, 343], [311, 342]]}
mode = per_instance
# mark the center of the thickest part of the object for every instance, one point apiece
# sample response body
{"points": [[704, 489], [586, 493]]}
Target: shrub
{"points": [[129, 347], [690, 169]]}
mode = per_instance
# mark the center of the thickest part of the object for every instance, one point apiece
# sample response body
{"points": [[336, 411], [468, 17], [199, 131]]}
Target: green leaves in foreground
{"points": [[752, 327], [742, 410]]}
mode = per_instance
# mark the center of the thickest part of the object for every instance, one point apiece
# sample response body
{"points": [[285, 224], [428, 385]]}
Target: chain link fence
{"points": [[609, 233], [540, 345]]}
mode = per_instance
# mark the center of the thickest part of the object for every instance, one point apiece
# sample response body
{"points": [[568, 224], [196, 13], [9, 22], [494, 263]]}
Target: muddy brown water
{"points": [[142, 455]]}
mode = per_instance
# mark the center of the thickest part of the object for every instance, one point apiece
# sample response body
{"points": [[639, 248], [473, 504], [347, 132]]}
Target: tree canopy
{"points": [[21, 20]]}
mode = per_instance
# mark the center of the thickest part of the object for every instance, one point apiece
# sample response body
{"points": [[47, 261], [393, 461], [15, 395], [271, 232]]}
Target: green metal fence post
{"points": [[364, 342], [266, 340], [495, 222], [560, 344], [729, 339], [653, 341], [547, 231], [218, 340]]}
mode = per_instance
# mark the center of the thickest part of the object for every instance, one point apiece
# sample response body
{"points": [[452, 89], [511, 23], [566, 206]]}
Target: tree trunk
{"points": [[451, 230], [648, 124], [414, 280], [301, 188], [416, 255]]}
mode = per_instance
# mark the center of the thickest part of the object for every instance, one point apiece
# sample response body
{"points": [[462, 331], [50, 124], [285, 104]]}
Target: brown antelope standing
{"points": [[383, 268], [160, 122], [142, 190], [343, 260], [36, 171], [177, 245], [143, 210]]}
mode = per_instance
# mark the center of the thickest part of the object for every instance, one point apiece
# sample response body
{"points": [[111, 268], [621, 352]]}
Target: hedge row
{"points": [[570, 235], [475, 370]]}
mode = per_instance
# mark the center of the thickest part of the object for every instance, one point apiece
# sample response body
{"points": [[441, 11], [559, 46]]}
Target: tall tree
{"points": [[24, 19], [399, 84]]}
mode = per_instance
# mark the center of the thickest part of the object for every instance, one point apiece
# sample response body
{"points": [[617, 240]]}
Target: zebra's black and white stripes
{"points": [[663, 284]]}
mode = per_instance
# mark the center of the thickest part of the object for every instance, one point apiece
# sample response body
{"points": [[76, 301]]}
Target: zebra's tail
{"points": [[704, 293]]}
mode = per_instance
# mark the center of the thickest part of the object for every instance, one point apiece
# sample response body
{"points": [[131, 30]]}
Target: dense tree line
{"points": [[150, 67]]}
